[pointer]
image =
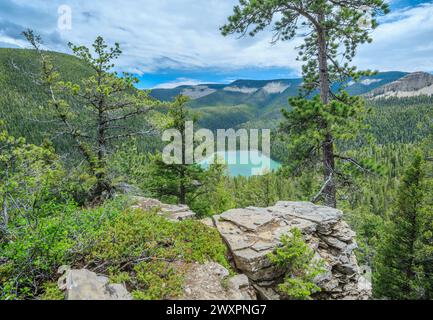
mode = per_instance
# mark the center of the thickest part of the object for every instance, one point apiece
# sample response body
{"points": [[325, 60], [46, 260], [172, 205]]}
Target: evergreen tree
{"points": [[403, 263], [334, 30], [180, 180], [98, 111], [215, 196]]}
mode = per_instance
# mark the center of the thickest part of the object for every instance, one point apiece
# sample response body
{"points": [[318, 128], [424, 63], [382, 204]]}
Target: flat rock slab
{"points": [[252, 233], [248, 219], [211, 281], [169, 211], [308, 211], [83, 284]]}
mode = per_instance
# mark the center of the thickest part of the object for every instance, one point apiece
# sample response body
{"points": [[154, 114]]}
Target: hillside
{"points": [[251, 102], [242, 103], [22, 98]]}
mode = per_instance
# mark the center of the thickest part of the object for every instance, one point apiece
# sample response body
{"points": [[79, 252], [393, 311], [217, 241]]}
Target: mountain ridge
{"points": [[411, 85], [262, 93]]}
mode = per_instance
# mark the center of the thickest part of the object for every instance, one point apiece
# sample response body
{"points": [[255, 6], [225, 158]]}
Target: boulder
{"points": [[252, 233], [211, 281], [82, 284], [171, 212]]}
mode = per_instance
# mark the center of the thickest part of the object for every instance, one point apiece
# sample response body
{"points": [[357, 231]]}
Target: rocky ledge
{"points": [[170, 211], [252, 233]]}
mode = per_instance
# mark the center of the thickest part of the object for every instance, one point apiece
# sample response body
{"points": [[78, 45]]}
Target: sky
{"points": [[167, 43]]}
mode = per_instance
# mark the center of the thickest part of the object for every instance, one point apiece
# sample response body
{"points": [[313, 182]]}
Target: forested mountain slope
{"points": [[257, 103], [21, 94], [243, 103]]}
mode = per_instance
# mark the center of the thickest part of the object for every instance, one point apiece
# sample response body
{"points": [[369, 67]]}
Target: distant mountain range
{"points": [[242, 103], [258, 103], [265, 93]]}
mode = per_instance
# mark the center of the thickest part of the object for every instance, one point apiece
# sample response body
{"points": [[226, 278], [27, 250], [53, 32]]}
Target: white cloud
{"points": [[404, 41], [11, 42], [183, 34], [159, 34], [275, 87], [180, 82]]}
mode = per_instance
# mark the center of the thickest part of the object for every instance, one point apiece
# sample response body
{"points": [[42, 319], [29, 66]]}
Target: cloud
{"points": [[180, 82], [154, 35], [184, 35], [402, 42]]}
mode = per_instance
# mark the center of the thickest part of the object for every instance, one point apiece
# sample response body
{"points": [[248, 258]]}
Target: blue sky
{"points": [[172, 42]]}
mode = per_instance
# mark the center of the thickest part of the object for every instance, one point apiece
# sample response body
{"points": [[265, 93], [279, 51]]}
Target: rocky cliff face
{"points": [[411, 85], [252, 233]]}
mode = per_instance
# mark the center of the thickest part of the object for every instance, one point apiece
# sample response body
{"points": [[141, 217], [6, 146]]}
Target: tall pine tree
{"points": [[97, 112], [332, 30]]}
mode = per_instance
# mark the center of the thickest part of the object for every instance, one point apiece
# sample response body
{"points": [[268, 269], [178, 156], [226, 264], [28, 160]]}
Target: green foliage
{"points": [[302, 266], [403, 264], [43, 224], [178, 181], [150, 254], [405, 120], [52, 292], [335, 30], [108, 104], [158, 280], [28, 174], [314, 131], [214, 197], [63, 234], [224, 117]]}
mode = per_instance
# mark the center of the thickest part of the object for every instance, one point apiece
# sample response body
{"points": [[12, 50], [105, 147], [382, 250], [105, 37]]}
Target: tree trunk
{"points": [[182, 188], [182, 193], [5, 217], [103, 184], [329, 191]]}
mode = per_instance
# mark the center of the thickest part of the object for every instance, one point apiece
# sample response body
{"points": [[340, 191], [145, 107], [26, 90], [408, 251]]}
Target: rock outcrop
{"points": [[82, 284], [211, 281], [170, 211], [252, 233], [412, 85]]}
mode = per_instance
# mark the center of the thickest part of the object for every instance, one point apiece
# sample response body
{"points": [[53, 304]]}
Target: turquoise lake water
{"points": [[254, 162]]}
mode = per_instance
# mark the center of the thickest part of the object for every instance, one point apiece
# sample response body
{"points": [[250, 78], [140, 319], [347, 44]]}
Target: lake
{"points": [[257, 162]]}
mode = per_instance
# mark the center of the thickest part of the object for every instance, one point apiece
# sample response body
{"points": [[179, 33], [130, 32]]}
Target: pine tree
{"points": [[182, 181], [98, 111], [402, 268], [334, 30]]}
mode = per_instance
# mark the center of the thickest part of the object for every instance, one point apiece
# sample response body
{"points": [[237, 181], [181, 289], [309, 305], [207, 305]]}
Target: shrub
{"points": [[150, 254], [64, 234], [52, 292], [301, 265]]}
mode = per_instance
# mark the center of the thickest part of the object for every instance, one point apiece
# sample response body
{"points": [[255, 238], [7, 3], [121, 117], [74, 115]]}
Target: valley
{"points": [[322, 186]]}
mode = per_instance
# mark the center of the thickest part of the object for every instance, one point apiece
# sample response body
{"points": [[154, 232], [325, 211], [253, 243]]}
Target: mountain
{"points": [[411, 85], [242, 103], [255, 102], [22, 98], [264, 95]]}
